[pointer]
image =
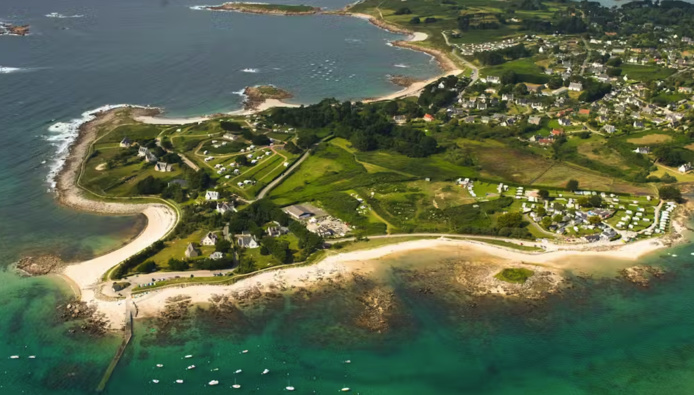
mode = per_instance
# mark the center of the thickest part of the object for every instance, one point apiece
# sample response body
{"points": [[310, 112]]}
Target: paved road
{"points": [[279, 179]]}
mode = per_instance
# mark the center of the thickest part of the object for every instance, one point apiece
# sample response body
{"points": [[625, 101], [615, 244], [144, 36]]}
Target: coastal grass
{"points": [[514, 275], [134, 132]]}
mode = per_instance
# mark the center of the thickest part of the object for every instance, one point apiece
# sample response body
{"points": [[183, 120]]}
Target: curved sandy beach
{"points": [[364, 261]]}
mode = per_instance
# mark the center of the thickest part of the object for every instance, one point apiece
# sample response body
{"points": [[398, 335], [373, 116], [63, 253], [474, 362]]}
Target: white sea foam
{"points": [[63, 134], [62, 16], [8, 70], [250, 71]]}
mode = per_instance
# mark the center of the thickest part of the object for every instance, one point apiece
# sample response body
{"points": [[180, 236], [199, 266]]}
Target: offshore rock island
{"points": [[13, 30], [263, 8]]}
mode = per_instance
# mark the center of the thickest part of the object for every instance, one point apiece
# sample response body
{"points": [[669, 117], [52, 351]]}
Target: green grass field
{"points": [[526, 70], [645, 73]]}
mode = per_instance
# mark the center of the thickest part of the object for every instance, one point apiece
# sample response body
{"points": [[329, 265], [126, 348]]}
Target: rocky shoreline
{"points": [[67, 181]]}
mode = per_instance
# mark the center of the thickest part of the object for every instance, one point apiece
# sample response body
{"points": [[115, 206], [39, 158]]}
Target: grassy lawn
{"points": [[525, 69], [135, 132], [645, 73], [655, 138], [120, 180], [515, 275], [176, 249]]}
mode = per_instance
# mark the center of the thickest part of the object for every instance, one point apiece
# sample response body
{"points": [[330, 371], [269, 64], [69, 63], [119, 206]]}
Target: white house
{"points": [[247, 241], [225, 207], [163, 167], [211, 195], [576, 86], [215, 256], [125, 143], [209, 240], [685, 168]]}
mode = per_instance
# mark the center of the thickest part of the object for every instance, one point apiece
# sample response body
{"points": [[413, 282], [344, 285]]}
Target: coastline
{"points": [[364, 261], [161, 218]]}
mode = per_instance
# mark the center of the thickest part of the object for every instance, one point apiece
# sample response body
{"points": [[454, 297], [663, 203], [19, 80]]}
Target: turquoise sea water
{"points": [[604, 336]]}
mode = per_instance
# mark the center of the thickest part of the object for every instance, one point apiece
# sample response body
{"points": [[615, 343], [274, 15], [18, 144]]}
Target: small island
{"points": [[257, 95], [262, 8], [13, 30]]}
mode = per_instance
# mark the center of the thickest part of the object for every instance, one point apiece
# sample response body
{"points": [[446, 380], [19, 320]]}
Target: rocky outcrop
{"points": [[256, 95], [13, 30], [90, 320], [402, 80], [39, 265], [642, 274], [379, 305]]}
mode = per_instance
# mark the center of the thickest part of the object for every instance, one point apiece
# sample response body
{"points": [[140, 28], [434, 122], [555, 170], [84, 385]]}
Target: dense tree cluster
{"points": [[499, 56], [138, 259]]}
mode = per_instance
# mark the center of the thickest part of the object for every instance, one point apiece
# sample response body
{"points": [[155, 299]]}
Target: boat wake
{"points": [[254, 71], [63, 134], [9, 70], [402, 66], [62, 16]]}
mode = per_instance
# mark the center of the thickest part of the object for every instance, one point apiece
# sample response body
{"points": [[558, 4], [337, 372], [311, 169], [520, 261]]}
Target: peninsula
{"points": [[263, 8], [545, 147]]}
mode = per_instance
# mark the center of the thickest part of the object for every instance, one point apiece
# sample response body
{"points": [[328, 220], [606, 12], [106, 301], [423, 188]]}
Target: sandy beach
{"points": [[159, 120], [362, 262]]}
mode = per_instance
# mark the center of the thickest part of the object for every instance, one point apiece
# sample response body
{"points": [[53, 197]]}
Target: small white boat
{"points": [[238, 371], [237, 386], [188, 356], [348, 361], [160, 365], [266, 371], [14, 357], [345, 389], [213, 382], [244, 352], [179, 381], [32, 356], [191, 367], [289, 388], [43, 162], [155, 381]]}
